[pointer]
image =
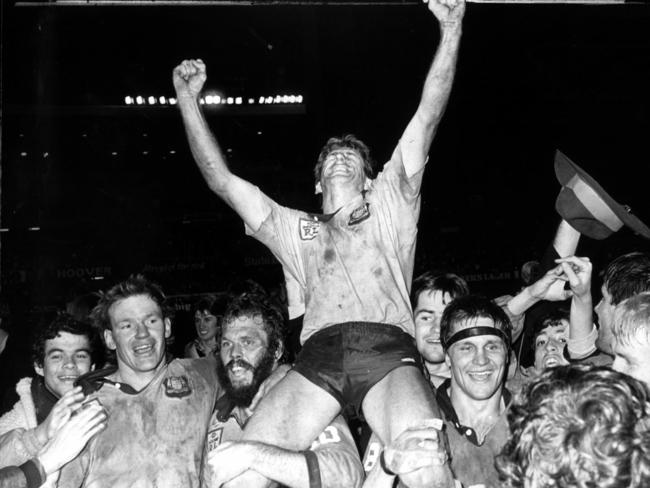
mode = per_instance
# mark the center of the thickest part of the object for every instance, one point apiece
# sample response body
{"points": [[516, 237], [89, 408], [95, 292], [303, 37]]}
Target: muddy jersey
{"points": [[355, 264], [338, 459], [153, 438], [472, 462]]}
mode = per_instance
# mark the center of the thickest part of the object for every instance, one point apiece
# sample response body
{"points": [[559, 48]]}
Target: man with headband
{"points": [[476, 337]]}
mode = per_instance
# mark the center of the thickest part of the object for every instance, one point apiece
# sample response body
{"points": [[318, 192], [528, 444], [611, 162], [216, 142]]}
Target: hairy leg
{"points": [[291, 416], [402, 399]]}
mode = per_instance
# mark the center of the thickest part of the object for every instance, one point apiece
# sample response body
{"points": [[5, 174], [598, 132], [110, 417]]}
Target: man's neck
{"points": [[438, 372], [477, 414], [338, 196], [136, 380]]}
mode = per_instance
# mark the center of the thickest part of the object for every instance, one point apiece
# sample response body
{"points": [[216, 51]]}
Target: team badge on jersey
{"points": [[308, 229], [359, 214], [214, 438], [177, 386]]}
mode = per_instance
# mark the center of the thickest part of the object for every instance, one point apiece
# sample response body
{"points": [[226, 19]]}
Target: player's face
{"points": [[605, 312], [427, 314], [633, 357], [549, 346], [477, 364], [343, 165], [67, 357], [206, 325], [244, 343], [138, 332]]}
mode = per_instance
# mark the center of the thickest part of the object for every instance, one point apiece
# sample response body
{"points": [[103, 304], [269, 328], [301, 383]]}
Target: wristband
{"points": [[312, 469], [382, 463], [34, 473]]}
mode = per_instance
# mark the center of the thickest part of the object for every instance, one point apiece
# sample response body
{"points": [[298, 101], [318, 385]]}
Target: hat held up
{"points": [[588, 208]]}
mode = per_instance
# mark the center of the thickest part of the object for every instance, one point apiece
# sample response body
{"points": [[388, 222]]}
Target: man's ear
{"points": [[319, 189], [168, 327], [279, 351], [366, 184], [39, 370], [447, 360], [108, 338]]}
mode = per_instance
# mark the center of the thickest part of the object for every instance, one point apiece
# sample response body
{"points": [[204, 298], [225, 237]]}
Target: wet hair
{"points": [[627, 275], [472, 307], [631, 317], [64, 322], [345, 141], [259, 306], [133, 286], [578, 426], [445, 283]]}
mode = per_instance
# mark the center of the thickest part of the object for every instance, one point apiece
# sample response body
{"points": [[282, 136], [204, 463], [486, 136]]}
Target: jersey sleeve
{"points": [[338, 458], [398, 197], [18, 446], [281, 232]]}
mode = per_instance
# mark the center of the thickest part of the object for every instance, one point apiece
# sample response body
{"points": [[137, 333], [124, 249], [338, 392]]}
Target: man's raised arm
{"points": [[417, 137], [242, 196]]}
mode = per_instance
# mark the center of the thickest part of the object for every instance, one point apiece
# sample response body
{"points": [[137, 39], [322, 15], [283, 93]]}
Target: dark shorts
{"points": [[348, 359]]}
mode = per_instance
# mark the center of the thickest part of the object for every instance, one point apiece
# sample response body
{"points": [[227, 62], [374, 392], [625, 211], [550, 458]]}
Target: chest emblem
{"points": [[177, 386], [214, 438], [359, 214], [308, 229]]}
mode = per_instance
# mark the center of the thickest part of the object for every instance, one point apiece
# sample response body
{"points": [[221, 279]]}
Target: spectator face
{"points": [[206, 325], [549, 346], [477, 364], [67, 357], [427, 313], [138, 332], [244, 345], [605, 312], [632, 357]]}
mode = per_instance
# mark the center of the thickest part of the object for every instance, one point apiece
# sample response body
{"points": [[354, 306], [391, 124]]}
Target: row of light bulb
{"points": [[216, 100]]}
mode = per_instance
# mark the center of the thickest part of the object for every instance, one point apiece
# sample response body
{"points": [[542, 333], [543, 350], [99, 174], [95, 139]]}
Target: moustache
{"points": [[239, 363]]}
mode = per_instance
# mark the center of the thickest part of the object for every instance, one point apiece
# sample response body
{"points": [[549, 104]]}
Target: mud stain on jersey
{"points": [[329, 255]]}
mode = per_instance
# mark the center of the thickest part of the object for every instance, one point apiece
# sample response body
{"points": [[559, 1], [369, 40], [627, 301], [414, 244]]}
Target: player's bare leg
{"points": [[291, 416], [402, 399]]}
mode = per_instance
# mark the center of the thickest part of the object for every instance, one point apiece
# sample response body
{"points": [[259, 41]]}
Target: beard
{"points": [[242, 395]]}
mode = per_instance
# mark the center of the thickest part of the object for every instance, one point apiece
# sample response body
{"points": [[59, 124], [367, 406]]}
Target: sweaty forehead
{"points": [[344, 150], [244, 324]]}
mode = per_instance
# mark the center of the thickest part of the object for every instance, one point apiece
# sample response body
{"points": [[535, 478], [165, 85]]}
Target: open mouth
{"points": [[480, 375], [68, 378], [551, 361], [143, 350]]}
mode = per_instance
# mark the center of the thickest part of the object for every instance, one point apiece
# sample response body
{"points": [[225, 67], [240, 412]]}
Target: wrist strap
{"points": [[313, 469], [34, 474]]}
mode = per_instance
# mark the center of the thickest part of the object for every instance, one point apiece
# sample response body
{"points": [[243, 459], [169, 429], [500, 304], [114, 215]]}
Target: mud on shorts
{"points": [[348, 359]]}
